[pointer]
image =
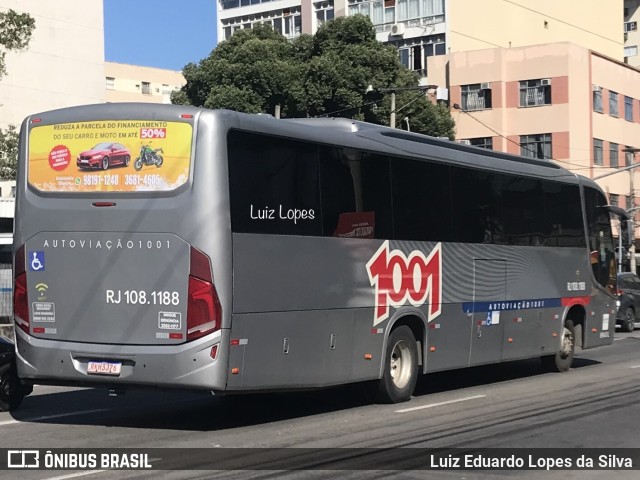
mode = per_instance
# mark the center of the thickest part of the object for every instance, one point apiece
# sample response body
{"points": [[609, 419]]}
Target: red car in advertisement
{"points": [[104, 155]]}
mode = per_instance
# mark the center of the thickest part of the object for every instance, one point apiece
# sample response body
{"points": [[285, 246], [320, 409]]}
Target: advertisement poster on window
{"points": [[110, 156]]}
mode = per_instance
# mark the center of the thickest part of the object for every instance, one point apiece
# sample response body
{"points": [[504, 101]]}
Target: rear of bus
{"points": [[122, 262]]}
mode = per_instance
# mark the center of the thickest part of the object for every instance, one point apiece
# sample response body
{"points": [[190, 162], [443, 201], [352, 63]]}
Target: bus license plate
{"points": [[104, 368]]}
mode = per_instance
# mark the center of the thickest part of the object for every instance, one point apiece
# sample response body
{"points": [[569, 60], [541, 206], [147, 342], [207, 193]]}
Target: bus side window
{"points": [[336, 189], [356, 194], [273, 184], [421, 200]]}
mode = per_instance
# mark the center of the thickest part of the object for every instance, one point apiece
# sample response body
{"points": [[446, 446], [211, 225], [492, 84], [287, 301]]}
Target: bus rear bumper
{"points": [[188, 366]]}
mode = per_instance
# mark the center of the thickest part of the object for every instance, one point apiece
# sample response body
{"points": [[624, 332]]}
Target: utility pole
{"points": [[632, 247], [393, 90], [632, 204], [392, 119]]}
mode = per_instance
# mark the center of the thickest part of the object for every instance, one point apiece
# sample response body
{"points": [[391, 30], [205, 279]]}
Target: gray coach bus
{"points": [[172, 246]]}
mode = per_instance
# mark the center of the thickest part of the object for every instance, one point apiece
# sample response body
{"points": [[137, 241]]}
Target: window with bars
{"points": [[389, 11], [535, 92], [613, 154], [613, 103], [110, 83], [476, 96], [597, 99], [628, 109], [146, 88], [614, 199], [536, 146], [287, 22], [597, 152]]}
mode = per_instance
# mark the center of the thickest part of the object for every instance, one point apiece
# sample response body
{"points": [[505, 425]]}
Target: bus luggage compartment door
{"points": [[489, 289]]}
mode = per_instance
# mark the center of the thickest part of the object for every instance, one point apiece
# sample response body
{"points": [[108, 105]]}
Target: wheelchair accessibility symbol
{"points": [[36, 261]]}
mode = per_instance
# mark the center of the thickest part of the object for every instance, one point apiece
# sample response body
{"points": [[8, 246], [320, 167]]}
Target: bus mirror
{"points": [[626, 232]]}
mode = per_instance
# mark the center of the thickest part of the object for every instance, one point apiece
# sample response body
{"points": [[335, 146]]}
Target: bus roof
{"points": [[329, 131]]}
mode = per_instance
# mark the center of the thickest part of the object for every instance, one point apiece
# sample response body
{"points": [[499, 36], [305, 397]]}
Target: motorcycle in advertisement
{"points": [[148, 156]]}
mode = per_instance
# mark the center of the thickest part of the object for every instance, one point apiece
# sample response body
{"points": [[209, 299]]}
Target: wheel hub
{"points": [[400, 364]]}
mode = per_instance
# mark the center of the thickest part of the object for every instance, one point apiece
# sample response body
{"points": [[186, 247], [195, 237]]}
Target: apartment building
{"points": [[631, 34], [421, 29], [133, 83], [63, 64], [557, 101]]}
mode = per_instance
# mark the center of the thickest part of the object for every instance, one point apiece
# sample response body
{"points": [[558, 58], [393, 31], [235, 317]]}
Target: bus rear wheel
{"points": [[562, 360], [400, 371]]}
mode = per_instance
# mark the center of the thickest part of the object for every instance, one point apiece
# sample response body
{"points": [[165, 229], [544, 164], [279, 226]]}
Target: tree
{"points": [[8, 152], [327, 74], [15, 34]]}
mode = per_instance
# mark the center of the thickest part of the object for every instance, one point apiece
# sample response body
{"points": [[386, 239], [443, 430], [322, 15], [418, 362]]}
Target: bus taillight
{"points": [[20, 297], [204, 313]]}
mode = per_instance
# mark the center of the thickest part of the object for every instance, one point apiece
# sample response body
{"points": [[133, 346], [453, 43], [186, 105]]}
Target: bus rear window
{"points": [[110, 156]]}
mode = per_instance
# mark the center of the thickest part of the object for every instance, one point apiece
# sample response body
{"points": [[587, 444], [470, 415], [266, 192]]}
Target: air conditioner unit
{"points": [[465, 142], [545, 81], [397, 30], [597, 88], [485, 86]]}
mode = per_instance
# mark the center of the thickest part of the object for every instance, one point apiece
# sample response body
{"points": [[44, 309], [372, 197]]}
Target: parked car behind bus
{"points": [[629, 296]]}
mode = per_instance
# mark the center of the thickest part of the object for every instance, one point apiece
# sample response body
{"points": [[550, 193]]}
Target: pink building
{"points": [[558, 101]]}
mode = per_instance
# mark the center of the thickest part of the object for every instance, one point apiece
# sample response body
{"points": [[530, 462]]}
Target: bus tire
{"points": [[562, 360], [400, 371]]}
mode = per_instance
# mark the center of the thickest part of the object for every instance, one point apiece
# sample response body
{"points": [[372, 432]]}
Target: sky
{"points": [[159, 33]]}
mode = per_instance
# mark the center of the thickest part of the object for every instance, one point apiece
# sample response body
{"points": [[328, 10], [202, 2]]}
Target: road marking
{"points": [[635, 366], [74, 475], [405, 410], [48, 417]]}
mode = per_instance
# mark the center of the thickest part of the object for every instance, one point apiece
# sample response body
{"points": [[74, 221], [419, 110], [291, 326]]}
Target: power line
{"points": [[414, 99], [562, 21]]}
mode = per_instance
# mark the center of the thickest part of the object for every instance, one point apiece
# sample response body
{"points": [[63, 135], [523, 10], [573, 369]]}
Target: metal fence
{"points": [[6, 294]]}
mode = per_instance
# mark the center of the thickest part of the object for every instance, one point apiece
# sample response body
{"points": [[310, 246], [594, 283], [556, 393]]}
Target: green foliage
{"points": [[15, 34], [8, 153], [325, 74]]}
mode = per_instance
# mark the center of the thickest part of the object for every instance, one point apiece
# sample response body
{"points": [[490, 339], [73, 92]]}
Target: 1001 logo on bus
{"points": [[399, 279]]}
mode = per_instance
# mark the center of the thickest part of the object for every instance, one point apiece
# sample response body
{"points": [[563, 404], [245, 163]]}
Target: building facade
{"points": [[421, 29], [133, 83], [631, 34], [556, 101], [57, 69]]}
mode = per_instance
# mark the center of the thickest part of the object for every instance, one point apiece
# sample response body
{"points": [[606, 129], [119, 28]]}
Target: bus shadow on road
{"points": [[486, 375], [178, 410]]}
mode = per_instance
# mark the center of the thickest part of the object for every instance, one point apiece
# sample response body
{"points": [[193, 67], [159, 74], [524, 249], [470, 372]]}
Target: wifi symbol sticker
{"points": [[42, 289]]}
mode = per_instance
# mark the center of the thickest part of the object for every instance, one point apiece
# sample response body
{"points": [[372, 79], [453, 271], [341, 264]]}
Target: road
{"points": [[596, 404]]}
